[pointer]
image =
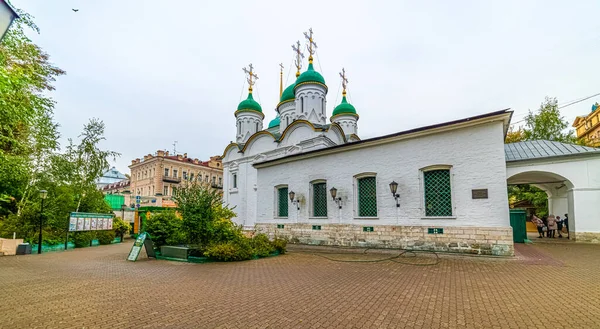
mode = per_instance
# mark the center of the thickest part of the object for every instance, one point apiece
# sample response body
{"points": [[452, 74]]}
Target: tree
{"points": [[514, 136], [28, 134], [547, 123]]}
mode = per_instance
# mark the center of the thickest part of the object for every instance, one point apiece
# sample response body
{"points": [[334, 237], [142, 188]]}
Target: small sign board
{"points": [[435, 230], [479, 193], [143, 240]]}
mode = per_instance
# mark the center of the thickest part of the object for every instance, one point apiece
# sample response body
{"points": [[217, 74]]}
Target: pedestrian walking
{"points": [[539, 224], [566, 223], [551, 226], [559, 226]]}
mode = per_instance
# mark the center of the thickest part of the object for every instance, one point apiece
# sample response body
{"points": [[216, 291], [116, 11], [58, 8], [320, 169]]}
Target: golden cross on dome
{"points": [[299, 57], [252, 77], [311, 46], [344, 81]]}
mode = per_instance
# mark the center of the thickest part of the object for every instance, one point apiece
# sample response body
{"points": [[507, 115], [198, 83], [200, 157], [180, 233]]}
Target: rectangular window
{"points": [[166, 172], [438, 194], [234, 180], [166, 190], [191, 177], [316, 227], [184, 175], [220, 181], [367, 197], [214, 180], [319, 199], [174, 173], [206, 179], [282, 202]]}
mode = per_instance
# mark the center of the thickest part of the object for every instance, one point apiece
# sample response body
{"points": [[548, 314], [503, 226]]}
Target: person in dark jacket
{"points": [[566, 223], [559, 226]]}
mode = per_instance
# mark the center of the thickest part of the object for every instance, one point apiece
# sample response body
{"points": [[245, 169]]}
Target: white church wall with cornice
{"points": [[475, 154]]}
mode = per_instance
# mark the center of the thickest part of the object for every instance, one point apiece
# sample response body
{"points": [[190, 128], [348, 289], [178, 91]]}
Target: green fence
{"points": [[115, 201]]}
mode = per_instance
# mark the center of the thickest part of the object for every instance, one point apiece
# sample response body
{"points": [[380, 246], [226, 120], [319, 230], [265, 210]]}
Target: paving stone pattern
{"points": [[96, 288]]}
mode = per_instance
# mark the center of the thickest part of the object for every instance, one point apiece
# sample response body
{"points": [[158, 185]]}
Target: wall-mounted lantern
{"points": [[394, 189], [294, 199], [336, 199]]}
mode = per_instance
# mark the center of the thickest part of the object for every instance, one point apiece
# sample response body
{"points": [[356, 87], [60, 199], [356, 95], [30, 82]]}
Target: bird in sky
{"points": [[75, 10]]}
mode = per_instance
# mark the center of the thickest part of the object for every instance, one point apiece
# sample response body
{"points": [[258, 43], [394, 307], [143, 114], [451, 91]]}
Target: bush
{"points": [[236, 250], [279, 245], [82, 239], [262, 246], [165, 229], [120, 227], [105, 237]]}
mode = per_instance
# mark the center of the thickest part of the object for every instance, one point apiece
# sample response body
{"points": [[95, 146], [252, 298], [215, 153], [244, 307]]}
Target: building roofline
{"points": [[505, 115]]}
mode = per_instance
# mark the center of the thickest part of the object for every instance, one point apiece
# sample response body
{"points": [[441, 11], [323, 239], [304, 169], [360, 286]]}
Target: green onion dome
{"points": [[310, 75], [275, 122], [344, 108], [288, 93], [249, 104]]}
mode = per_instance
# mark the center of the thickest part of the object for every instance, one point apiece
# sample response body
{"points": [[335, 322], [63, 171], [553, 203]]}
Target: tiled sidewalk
{"points": [[96, 288]]}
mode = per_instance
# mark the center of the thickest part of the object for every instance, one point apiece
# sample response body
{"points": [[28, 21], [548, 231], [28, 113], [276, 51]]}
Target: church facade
{"points": [[309, 177]]}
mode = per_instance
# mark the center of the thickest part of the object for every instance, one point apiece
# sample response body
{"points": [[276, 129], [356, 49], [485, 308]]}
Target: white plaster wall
{"points": [[287, 113], [246, 124], [315, 103], [476, 155], [583, 193], [348, 123]]}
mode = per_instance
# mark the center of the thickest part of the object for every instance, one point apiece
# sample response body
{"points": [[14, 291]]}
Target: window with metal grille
{"points": [[438, 194], [367, 197], [319, 200], [282, 202]]}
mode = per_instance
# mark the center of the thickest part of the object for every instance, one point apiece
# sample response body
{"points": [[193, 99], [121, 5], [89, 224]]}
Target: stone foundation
{"points": [[470, 240], [589, 237]]}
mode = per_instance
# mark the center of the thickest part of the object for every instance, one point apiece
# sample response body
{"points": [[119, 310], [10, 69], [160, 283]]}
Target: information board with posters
{"points": [[82, 221]]}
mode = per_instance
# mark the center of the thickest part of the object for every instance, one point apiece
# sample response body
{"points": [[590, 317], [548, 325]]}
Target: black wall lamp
{"points": [[294, 200], [394, 189], [336, 199]]}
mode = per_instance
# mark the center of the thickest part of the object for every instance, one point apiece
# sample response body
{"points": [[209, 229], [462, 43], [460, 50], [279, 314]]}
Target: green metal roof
{"points": [[310, 75], [344, 108], [249, 104], [275, 122], [288, 93]]}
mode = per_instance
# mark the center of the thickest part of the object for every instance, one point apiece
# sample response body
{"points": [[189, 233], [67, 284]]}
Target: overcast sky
{"points": [[162, 71]]}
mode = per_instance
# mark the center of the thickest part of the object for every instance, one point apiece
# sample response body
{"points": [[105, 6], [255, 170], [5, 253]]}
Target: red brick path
{"points": [[97, 288]]}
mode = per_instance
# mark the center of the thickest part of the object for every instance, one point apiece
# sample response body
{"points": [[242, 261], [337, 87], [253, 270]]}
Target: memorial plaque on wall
{"points": [[479, 193]]}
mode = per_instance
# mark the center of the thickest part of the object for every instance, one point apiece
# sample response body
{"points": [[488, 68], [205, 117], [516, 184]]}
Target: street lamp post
{"points": [[43, 195], [7, 16]]}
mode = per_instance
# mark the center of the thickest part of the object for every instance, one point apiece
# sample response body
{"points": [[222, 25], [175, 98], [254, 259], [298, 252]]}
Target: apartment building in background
{"points": [[156, 176], [588, 126]]}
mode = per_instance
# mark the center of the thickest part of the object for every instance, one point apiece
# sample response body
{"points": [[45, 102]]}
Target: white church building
{"points": [[309, 177]]}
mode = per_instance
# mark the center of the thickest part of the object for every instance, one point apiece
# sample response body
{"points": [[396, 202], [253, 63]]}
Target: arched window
{"points": [[319, 198], [366, 195], [437, 191], [281, 201]]}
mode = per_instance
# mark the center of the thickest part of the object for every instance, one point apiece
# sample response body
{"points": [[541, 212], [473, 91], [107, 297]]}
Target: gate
{"points": [[518, 221]]}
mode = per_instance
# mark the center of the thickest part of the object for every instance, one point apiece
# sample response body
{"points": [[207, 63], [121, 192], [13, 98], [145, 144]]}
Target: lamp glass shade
{"points": [[7, 15], [292, 195], [43, 194], [393, 187], [333, 192]]}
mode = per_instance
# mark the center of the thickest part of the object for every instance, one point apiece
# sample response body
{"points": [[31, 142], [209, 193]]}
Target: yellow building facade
{"points": [[588, 127], [155, 176]]}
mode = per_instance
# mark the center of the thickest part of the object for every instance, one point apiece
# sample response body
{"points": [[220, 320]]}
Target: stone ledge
{"points": [[482, 240]]}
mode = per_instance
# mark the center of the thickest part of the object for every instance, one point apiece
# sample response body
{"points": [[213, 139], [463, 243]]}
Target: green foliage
{"points": [[105, 237], [235, 250], [121, 227], [165, 229], [547, 123], [537, 197], [82, 239], [206, 220], [279, 244], [262, 246]]}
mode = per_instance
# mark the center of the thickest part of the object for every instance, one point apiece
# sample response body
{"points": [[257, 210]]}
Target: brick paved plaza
{"points": [[547, 286]]}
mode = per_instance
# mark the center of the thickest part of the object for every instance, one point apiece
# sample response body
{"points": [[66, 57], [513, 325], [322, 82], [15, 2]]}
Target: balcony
{"points": [[217, 186], [171, 179]]}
